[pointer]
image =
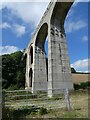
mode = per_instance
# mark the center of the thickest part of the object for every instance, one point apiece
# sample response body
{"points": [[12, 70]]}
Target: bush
{"points": [[13, 87], [13, 114], [85, 85], [5, 113], [43, 111], [76, 87], [82, 85]]}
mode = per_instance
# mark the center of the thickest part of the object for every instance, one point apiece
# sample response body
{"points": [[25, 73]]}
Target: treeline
{"points": [[13, 71]]}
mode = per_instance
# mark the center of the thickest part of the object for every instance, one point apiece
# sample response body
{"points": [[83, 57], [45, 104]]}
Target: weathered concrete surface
{"points": [[59, 72]]}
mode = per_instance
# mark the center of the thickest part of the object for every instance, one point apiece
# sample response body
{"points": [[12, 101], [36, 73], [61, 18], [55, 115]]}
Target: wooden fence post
{"points": [[3, 99]]}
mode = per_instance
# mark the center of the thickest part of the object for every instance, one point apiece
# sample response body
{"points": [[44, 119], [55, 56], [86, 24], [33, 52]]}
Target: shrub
{"points": [[5, 113], [82, 85], [43, 111], [76, 87], [16, 114]]}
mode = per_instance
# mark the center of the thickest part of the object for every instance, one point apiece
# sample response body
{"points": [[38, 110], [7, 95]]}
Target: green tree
{"points": [[13, 70], [8, 69], [73, 70]]}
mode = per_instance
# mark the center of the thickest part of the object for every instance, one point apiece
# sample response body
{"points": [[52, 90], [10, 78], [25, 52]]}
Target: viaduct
{"points": [[57, 74]]}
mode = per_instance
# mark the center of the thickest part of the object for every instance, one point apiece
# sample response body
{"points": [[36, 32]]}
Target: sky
{"points": [[19, 20]]}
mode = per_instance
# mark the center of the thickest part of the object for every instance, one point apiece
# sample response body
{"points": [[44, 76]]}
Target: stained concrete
{"points": [[59, 72]]}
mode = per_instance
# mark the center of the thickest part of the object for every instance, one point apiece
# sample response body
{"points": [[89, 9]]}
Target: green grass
{"points": [[79, 108]]}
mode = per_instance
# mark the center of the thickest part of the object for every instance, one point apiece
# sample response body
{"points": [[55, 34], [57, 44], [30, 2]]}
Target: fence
{"points": [[24, 98]]}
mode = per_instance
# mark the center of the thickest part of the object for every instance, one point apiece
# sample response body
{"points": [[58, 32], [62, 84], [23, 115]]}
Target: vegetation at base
{"points": [[78, 109], [82, 85], [8, 113], [13, 71], [43, 111]]}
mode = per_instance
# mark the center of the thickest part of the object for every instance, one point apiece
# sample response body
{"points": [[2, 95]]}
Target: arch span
{"points": [[59, 75], [40, 77], [59, 72], [41, 36]]}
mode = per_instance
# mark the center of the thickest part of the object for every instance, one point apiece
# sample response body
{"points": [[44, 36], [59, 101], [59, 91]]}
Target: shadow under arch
{"points": [[41, 37], [40, 42], [31, 54], [59, 14], [40, 77], [30, 76]]}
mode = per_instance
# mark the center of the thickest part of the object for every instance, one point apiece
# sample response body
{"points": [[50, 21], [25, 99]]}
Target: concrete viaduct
{"points": [[57, 74]]}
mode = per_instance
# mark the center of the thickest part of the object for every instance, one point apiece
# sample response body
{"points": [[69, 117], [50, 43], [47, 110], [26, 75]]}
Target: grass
{"points": [[79, 108]]}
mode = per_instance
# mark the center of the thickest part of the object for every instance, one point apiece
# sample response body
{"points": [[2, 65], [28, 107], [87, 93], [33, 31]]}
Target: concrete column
{"points": [[59, 72], [27, 84], [40, 73]]}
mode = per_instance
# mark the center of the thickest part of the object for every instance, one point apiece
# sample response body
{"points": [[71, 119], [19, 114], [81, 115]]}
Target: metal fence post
{"points": [[67, 97]]}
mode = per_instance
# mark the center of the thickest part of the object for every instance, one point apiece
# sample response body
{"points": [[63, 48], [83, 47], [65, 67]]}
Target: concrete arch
{"points": [[59, 14], [40, 76], [59, 75], [59, 72], [41, 36]]}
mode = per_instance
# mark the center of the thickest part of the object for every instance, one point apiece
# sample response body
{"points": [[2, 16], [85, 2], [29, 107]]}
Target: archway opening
{"points": [[46, 52], [31, 54], [24, 61], [30, 76], [42, 43]]}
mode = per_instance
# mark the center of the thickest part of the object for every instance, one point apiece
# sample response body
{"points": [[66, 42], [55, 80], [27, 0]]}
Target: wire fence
{"points": [[25, 98]]}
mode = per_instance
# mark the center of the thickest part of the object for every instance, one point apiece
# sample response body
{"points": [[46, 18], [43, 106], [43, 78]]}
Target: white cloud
{"points": [[74, 26], [81, 1], [78, 1], [82, 65], [5, 25], [29, 12], [8, 49], [85, 38], [19, 30]]}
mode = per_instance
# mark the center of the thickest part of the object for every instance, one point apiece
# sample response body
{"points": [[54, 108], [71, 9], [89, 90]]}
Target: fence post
{"points": [[67, 98], [3, 99]]}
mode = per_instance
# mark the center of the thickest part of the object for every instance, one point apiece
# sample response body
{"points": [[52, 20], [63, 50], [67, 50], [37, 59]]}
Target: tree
{"points": [[13, 70], [73, 70], [8, 70]]}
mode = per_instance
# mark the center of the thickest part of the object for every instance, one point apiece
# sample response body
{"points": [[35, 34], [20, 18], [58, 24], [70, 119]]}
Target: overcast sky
{"points": [[19, 20]]}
